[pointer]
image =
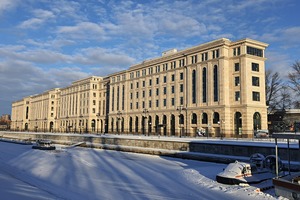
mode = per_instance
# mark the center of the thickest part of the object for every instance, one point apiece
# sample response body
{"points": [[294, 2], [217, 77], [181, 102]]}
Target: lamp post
{"points": [[179, 109], [118, 118], [80, 123], [145, 117], [97, 115]]}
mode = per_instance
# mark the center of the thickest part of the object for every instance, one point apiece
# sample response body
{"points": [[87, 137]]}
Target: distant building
{"points": [[217, 88]]}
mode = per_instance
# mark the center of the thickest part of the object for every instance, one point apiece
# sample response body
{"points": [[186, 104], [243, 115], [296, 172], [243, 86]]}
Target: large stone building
{"points": [[217, 88]]}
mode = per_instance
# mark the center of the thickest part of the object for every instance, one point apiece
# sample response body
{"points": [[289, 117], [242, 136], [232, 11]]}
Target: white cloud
{"points": [[40, 17], [83, 30], [7, 4]]}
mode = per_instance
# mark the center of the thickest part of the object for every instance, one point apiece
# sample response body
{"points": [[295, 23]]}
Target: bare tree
{"points": [[273, 86], [294, 80]]}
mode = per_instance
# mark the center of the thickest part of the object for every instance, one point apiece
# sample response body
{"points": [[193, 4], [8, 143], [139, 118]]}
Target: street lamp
{"points": [[145, 111], [179, 109], [97, 115], [118, 119], [80, 123]]}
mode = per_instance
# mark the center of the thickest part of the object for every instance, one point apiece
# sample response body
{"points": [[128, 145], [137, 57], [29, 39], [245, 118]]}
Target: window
{"points": [[173, 101], [173, 77], [237, 81], [216, 84], [194, 59], [173, 89], [181, 76], [150, 93], [205, 56], [254, 51], [137, 95], [137, 84], [236, 67], [144, 83], [157, 91], [143, 94], [131, 95], [131, 85], [150, 81], [181, 100], [181, 88], [215, 54], [194, 91], [181, 63], [157, 103], [94, 102], [94, 94], [150, 104], [137, 105], [165, 90], [255, 81], [165, 102], [165, 79], [204, 77], [143, 104], [255, 96], [237, 95], [237, 51], [130, 106], [173, 65], [157, 80], [255, 67]]}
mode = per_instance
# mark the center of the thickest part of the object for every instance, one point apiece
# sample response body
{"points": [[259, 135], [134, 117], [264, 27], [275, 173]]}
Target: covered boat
{"points": [[44, 145], [259, 169]]}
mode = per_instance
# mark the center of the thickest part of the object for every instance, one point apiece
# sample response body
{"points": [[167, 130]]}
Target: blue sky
{"points": [[46, 44]]}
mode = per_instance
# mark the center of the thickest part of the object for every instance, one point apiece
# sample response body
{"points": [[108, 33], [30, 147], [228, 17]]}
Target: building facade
{"points": [[216, 89]]}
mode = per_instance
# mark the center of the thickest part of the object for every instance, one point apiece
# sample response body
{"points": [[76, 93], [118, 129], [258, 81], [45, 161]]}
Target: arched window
{"points": [[194, 118], [204, 86], [204, 118], [194, 91], [165, 125], [256, 121], [172, 125], [150, 124], [137, 124], [130, 124], [216, 118], [216, 84], [238, 123]]}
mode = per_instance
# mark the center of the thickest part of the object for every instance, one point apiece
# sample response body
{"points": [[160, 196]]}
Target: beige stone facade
{"points": [[217, 88]]}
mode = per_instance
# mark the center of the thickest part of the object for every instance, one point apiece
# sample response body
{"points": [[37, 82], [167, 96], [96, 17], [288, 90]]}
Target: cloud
{"points": [[40, 18], [83, 30], [6, 5]]}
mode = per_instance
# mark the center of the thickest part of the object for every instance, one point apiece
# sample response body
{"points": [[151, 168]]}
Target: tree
{"points": [[273, 87], [294, 80]]}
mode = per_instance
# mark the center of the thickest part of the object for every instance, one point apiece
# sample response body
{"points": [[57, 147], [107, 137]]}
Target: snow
{"points": [[84, 173]]}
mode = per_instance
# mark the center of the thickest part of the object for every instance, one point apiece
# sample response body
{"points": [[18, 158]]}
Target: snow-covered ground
{"points": [[83, 173]]}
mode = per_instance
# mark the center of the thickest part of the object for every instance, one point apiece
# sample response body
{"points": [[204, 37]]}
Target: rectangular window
{"points": [[157, 81], [173, 65], [137, 84], [165, 90], [181, 63], [237, 51], [143, 94], [181, 100], [150, 93], [165, 79], [237, 81], [173, 89], [143, 104], [130, 106], [131, 85], [165, 102], [157, 91], [255, 67], [173, 101], [144, 83], [157, 103], [137, 95], [255, 81], [150, 104], [255, 96], [237, 95], [150, 81], [205, 56], [236, 67], [254, 51], [137, 105], [194, 59], [131, 95], [181, 87], [173, 77], [181, 76]]}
